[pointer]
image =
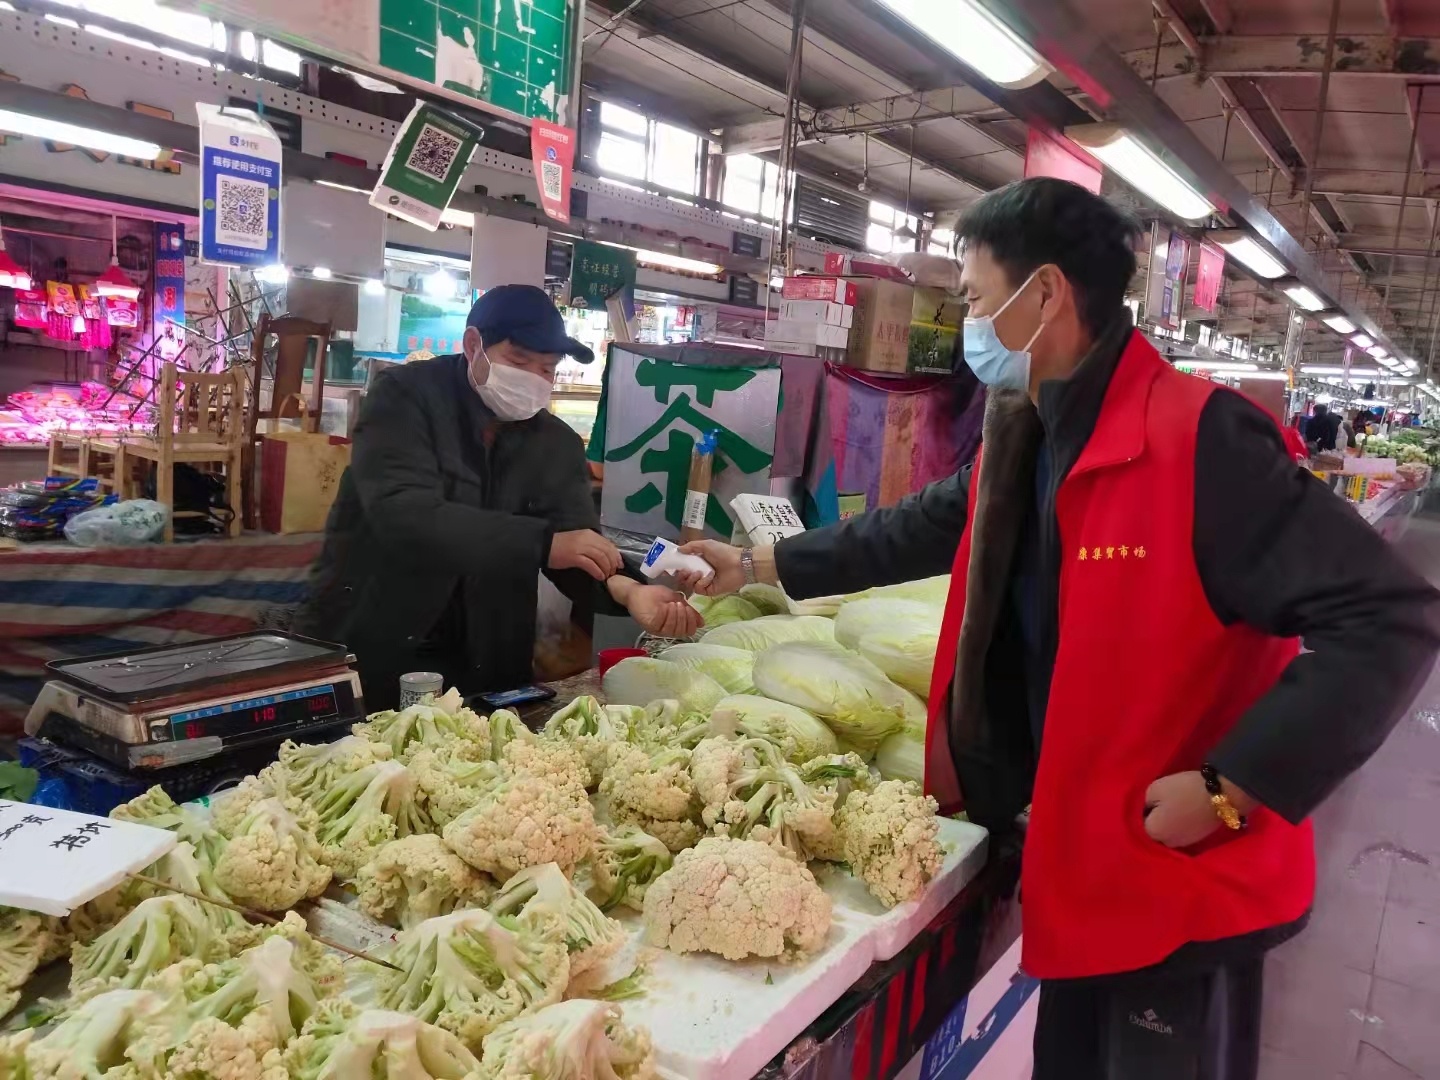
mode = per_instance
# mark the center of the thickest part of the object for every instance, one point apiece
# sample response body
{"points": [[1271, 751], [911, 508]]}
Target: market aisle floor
{"points": [[1357, 995]]}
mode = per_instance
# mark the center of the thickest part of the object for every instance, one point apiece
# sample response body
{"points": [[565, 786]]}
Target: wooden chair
{"points": [[201, 423], [291, 337], [62, 444]]}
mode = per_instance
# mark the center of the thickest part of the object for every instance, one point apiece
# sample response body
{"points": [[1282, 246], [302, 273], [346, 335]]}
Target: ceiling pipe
{"points": [[1319, 129], [1404, 189], [1073, 44]]}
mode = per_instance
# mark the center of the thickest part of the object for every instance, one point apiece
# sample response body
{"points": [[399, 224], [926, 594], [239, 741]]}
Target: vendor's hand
{"points": [[585, 549], [728, 576], [1179, 810], [662, 612]]}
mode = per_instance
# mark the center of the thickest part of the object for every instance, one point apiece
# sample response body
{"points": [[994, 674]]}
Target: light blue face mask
{"points": [[994, 364]]}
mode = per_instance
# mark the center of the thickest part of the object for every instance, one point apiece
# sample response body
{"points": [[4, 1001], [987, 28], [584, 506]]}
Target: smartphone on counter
{"points": [[509, 699]]}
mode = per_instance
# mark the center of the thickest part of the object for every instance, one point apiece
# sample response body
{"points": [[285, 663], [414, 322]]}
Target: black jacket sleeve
{"points": [[1277, 550], [916, 538], [574, 508], [396, 469]]}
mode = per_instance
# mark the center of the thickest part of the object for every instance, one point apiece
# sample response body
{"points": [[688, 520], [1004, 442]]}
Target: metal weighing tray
{"points": [[199, 667]]}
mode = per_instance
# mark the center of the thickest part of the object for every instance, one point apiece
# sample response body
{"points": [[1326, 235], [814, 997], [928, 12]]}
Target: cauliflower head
{"points": [[574, 1040], [507, 727], [525, 820], [889, 836], [268, 991], [451, 784], [737, 898], [155, 934], [102, 1034], [25, 941], [469, 974], [548, 759], [159, 811], [273, 860], [652, 789], [625, 863], [593, 730], [340, 1043], [365, 810], [213, 1050], [541, 895], [310, 769], [417, 878], [429, 724]]}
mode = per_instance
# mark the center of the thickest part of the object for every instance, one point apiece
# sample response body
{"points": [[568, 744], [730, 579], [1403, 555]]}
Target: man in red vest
{"points": [[1135, 562]]}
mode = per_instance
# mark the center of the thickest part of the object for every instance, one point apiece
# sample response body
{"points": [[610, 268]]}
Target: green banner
{"points": [[429, 155], [511, 56], [598, 272]]}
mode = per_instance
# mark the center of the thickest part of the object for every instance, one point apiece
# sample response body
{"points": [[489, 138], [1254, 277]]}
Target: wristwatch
{"points": [[747, 564], [1224, 809]]}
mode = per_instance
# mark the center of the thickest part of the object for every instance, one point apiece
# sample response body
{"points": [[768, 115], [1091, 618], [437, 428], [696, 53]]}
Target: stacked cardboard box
{"points": [[881, 325]]}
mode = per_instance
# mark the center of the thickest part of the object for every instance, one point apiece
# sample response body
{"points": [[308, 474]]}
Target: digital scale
{"points": [[173, 706]]}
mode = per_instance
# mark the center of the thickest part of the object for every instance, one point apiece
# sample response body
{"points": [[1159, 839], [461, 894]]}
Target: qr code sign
{"points": [[433, 153], [244, 212], [550, 174]]}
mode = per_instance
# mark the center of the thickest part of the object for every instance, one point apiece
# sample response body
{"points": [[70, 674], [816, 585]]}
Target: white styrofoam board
{"points": [[716, 1019], [890, 931]]}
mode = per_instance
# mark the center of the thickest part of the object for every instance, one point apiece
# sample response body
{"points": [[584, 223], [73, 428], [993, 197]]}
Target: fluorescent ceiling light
{"points": [[1270, 376], [342, 187], [321, 272], [374, 287], [967, 30], [42, 128], [1411, 365], [1216, 365], [1378, 351], [1340, 324], [274, 274], [676, 262], [1245, 249], [1363, 341], [1303, 297], [1336, 369], [1142, 168]]}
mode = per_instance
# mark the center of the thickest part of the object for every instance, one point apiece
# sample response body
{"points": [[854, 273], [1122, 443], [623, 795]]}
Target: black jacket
{"points": [[446, 509], [1274, 547]]}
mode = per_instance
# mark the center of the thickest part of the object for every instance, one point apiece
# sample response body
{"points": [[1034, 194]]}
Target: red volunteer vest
{"points": [[1147, 680]]}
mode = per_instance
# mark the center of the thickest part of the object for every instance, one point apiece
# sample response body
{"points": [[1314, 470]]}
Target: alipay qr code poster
{"points": [[429, 155], [240, 188]]}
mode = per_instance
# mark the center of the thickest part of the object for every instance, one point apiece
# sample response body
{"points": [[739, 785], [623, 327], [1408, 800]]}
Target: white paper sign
{"points": [[52, 861]]}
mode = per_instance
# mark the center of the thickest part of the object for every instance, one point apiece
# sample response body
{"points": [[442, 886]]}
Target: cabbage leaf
{"points": [[841, 687]]}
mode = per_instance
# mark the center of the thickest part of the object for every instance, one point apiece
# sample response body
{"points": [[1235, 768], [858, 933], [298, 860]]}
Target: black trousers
{"points": [[1152, 1025]]}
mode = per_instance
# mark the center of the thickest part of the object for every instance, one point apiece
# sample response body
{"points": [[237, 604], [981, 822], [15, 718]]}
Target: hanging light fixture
{"points": [[12, 274], [905, 232], [113, 281]]}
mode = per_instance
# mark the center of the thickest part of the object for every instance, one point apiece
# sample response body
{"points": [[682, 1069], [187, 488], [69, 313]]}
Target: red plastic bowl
{"points": [[610, 657]]}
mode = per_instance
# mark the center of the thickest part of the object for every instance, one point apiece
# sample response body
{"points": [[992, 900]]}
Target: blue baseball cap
{"points": [[525, 315]]}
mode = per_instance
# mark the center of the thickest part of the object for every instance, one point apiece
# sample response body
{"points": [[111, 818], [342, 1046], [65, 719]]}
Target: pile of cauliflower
{"points": [[501, 856]]}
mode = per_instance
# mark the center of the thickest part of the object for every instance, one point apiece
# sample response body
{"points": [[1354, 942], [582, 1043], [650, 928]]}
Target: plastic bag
{"points": [[135, 521]]}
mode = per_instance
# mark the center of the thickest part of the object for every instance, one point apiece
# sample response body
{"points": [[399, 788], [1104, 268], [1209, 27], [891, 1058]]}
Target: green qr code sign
{"points": [[510, 54]]}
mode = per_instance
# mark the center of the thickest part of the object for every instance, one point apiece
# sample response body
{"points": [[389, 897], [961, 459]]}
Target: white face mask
{"points": [[511, 393]]}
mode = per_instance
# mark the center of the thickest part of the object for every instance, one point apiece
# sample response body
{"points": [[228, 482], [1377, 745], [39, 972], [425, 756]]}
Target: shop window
{"points": [[675, 159], [619, 156], [634, 147], [752, 185], [884, 220]]}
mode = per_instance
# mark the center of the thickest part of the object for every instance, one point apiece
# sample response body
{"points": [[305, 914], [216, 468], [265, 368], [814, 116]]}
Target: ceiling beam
{"points": [[705, 50], [1373, 184], [1074, 43], [1269, 55], [900, 110]]}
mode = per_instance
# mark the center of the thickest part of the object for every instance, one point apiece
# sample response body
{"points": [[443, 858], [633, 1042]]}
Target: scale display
{"points": [[295, 708]]}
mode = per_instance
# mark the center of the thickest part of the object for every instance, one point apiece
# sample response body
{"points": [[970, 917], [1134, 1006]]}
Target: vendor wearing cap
{"points": [[461, 490]]}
